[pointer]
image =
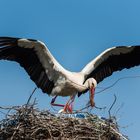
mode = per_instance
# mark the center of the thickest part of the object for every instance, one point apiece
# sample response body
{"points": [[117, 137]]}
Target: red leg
{"points": [[69, 105], [54, 104]]}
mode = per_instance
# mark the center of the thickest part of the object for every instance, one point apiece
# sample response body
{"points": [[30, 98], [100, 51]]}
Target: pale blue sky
{"points": [[75, 31]]}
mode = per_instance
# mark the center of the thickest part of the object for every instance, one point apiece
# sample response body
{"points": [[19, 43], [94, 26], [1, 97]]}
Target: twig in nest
{"points": [[9, 108], [42, 125], [122, 78], [121, 106], [28, 101], [17, 128], [109, 111], [87, 106], [110, 120], [100, 108]]}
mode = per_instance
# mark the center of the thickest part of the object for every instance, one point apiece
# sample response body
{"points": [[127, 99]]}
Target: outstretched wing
{"points": [[111, 60], [35, 58]]}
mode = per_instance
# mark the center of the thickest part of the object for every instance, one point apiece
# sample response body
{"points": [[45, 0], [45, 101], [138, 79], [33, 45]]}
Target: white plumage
{"points": [[53, 79]]}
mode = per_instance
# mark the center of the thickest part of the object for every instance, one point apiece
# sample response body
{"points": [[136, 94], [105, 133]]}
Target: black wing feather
{"points": [[115, 59], [125, 57], [27, 58]]}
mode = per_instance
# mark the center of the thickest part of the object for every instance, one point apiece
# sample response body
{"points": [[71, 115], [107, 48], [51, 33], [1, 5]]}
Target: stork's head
{"points": [[90, 83]]}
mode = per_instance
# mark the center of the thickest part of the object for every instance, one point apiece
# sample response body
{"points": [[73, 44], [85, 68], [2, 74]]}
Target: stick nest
{"points": [[28, 123]]}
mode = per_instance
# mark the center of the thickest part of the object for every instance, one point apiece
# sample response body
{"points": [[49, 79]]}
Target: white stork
{"points": [[53, 79]]}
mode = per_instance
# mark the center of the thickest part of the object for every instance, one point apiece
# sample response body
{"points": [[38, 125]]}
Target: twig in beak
{"points": [[92, 93]]}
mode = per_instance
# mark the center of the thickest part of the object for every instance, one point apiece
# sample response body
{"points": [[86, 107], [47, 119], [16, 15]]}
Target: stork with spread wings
{"points": [[53, 79]]}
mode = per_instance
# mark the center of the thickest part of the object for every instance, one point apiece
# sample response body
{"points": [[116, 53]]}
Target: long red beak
{"points": [[92, 93]]}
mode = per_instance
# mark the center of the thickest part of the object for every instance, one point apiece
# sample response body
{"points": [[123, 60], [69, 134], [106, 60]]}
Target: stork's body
{"points": [[53, 79], [69, 84]]}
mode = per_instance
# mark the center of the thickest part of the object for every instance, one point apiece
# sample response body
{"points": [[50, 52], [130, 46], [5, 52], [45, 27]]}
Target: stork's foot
{"points": [[68, 108]]}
